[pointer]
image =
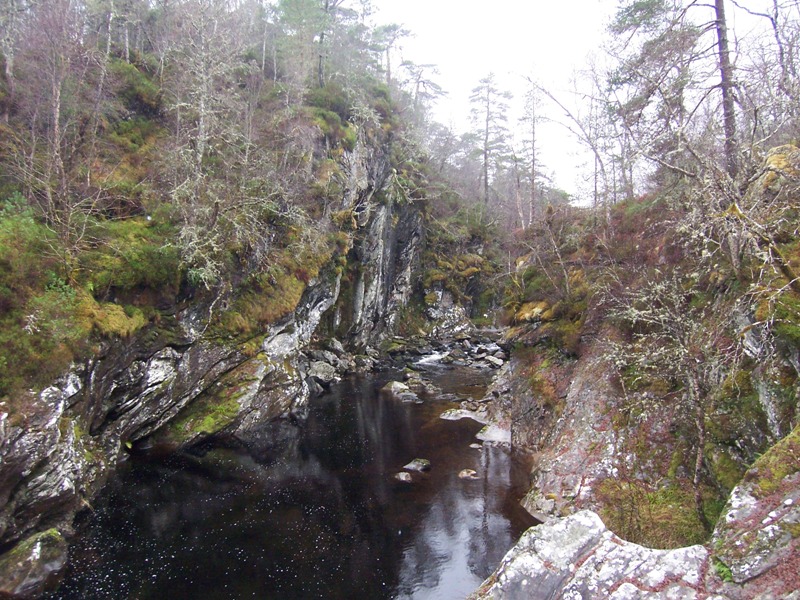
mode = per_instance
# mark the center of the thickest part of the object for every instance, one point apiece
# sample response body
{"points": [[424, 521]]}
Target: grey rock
{"points": [[495, 362], [33, 566], [400, 391], [758, 535], [335, 346], [395, 388], [418, 464], [363, 363], [577, 557], [323, 373], [325, 356]]}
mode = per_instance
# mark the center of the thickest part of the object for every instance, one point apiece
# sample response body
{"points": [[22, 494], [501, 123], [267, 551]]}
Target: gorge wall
{"points": [[173, 384]]}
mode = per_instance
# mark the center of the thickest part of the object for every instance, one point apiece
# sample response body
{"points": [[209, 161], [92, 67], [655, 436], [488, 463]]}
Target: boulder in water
{"points": [[418, 464]]}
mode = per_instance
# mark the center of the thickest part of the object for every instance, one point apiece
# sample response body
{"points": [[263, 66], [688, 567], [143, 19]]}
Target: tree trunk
{"points": [[532, 206], [700, 426], [7, 47], [486, 151], [726, 85]]}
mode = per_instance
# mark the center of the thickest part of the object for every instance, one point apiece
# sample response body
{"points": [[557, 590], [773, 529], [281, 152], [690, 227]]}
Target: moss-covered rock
{"points": [[759, 533], [219, 407], [33, 566]]}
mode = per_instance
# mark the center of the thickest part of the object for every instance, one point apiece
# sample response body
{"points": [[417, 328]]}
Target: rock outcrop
{"points": [[166, 386], [577, 557], [386, 254], [754, 552]]}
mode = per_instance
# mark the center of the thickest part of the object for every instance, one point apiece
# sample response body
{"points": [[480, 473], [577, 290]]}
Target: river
{"points": [[311, 510]]}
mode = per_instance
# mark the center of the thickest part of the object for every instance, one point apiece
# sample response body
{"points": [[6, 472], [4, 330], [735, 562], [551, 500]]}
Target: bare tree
{"points": [[673, 333]]}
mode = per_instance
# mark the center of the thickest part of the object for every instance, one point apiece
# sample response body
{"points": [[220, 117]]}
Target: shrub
{"points": [[136, 88]]}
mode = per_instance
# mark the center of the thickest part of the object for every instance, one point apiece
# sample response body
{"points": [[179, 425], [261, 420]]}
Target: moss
{"points": [[432, 277], [23, 550], [39, 556], [722, 570], [793, 529], [787, 318], [663, 517], [132, 254], [782, 460], [271, 295], [726, 471], [139, 92], [218, 407], [675, 462], [469, 272], [345, 220], [112, 320], [531, 311]]}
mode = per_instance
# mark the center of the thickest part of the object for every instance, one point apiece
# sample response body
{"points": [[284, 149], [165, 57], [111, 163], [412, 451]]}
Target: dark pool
{"points": [[311, 511]]}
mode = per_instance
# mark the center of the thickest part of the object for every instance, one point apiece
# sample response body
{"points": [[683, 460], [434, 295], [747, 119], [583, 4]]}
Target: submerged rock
{"points": [[495, 433], [403, 476], [455, 414], [468, 474]]}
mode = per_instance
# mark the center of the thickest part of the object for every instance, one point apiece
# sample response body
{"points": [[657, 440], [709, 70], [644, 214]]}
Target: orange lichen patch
{"points": [[532, 311], [782, 162]]}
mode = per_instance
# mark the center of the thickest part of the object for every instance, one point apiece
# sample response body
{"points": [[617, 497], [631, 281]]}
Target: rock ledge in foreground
{"points": [[577, 557]]}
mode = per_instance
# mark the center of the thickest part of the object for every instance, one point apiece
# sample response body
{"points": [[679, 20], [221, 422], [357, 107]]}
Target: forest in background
{"points": [[153, 153]]}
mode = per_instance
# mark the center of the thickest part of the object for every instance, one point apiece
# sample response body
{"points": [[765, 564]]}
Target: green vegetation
{"points": [[657, 517], [218, 407], [769, 472]]}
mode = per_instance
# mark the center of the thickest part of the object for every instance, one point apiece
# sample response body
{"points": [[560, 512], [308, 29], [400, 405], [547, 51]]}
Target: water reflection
{"points": [[310, 511]]}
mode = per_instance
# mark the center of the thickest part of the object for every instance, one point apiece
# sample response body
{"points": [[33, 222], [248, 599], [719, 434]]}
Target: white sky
{"points": [[547, 39], [467, 39]]}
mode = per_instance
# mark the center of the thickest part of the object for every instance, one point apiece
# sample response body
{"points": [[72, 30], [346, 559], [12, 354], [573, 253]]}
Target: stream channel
{"points": [[312, 511]]}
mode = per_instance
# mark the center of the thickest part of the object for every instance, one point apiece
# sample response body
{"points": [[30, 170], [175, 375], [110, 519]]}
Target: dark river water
{"points": [[311, 511]]}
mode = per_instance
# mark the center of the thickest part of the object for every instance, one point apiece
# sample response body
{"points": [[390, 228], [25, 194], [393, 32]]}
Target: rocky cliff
{"points": [[175, 384]]}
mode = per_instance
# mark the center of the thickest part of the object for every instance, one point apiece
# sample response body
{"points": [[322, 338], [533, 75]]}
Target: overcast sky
{"points": [[545, 39], [467, 39]]}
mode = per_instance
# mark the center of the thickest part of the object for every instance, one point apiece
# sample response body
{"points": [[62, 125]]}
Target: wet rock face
{"points": [[165, 385], [47, 463], [33, 566], [387, 252], [577, 557]]}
